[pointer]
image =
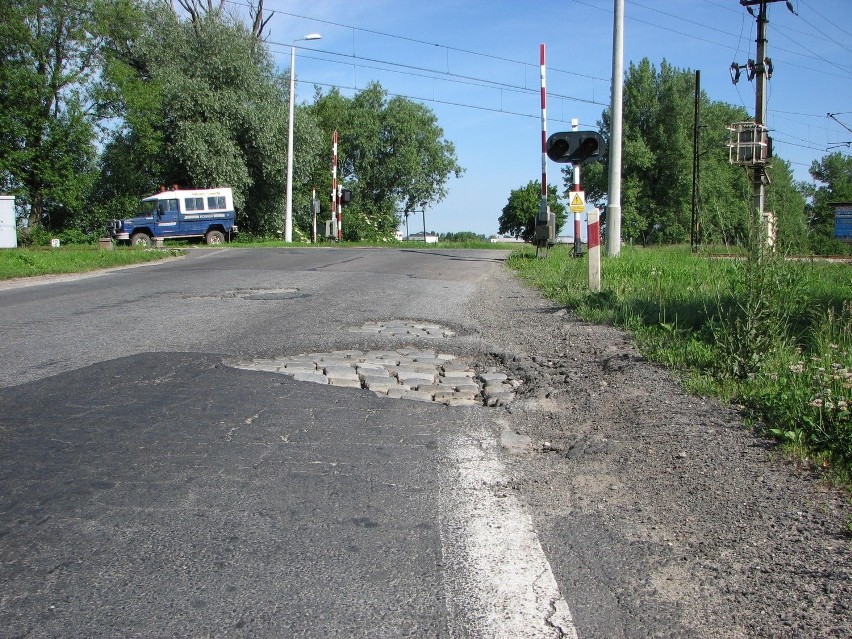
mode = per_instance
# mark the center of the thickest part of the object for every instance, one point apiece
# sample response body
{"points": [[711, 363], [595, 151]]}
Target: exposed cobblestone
{"points": [[404, 328], [407, 373]]}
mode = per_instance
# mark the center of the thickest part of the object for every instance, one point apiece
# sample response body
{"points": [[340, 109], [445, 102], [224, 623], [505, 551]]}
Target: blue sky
{"points": [[475, 64]]}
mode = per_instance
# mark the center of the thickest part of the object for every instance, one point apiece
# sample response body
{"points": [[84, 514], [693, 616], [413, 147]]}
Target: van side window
{"points": [[216, 202], [194, 203], [170, 206]]}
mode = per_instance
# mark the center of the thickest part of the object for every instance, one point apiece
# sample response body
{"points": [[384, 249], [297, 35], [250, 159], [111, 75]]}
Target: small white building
{"points": [[8, 233], [431, 238]]}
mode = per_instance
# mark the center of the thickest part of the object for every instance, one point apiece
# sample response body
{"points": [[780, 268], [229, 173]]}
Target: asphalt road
{"points": [[148, 489]]}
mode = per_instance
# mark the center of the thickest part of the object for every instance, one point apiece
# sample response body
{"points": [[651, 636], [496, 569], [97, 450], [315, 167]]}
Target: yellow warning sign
{"points": [[577, 203]]}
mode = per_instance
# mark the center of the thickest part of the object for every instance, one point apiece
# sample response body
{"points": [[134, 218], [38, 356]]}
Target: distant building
{"points": [[503, 239], [431, 238], [842, 220]]}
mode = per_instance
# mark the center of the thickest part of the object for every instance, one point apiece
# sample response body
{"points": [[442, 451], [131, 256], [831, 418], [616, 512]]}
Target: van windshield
{"points": [[147, 208]]}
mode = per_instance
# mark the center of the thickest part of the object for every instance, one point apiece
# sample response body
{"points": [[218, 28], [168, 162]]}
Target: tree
{"points": [[392, 155], [833, 173], [463, 236], [787, 201], [49, 54], [201, 105], [657, 165], [518, 216]]}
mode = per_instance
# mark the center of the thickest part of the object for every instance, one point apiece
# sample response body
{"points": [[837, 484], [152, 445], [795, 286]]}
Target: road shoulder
{"points": [[659, 511]]}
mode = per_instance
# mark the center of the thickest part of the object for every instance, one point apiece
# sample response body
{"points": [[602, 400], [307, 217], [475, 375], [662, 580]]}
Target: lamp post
{"points": [[288, 220]]}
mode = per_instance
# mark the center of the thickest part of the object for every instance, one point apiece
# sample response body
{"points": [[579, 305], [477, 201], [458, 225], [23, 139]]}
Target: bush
{"points": [[822, 245], [38, 236]]}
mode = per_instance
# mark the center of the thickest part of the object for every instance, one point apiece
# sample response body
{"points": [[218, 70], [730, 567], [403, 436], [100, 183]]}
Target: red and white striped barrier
{"points": [[335, 207], [543, 130], [593, 231]]}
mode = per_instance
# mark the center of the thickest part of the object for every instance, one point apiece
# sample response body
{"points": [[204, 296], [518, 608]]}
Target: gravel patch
{"points": [[661, 514]]}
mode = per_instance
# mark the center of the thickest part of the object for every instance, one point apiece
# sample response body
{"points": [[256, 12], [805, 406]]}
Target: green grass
{"points": [[29, 262], [773, 336]]}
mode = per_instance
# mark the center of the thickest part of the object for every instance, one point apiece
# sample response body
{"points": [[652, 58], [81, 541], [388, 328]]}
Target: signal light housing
{"points": [[576, 147]]}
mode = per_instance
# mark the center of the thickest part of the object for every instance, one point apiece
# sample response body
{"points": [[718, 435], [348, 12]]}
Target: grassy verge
{"points": [[771, 335], [28, 262]]}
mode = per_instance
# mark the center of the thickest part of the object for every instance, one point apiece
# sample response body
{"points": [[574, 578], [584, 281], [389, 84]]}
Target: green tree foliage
{"points": [[786, 200], [463, 236], [833, 174], [391, 154], [202, 106], [658, 124], [49, 53], [518, 216]]}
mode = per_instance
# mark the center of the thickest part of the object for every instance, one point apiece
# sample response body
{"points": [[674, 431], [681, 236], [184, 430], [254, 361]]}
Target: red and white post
{"points": [[313, 217], [578, 243], [593, 230], [335, 208], [543, 130]]}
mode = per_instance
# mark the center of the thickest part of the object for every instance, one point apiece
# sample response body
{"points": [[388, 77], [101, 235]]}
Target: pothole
{"points": [[261, 294], [404, 328], [405, 373], [283, 294]]}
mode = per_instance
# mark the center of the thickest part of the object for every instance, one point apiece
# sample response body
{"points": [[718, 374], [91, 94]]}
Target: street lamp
{"points": [[288, 220]]}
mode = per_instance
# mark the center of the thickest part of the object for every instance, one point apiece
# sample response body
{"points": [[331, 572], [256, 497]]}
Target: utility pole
{"points": [[613, 205], [759, 70], [696, 167], [760, 67]]}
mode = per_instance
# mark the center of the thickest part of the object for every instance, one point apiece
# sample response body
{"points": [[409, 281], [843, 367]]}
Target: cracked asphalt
{"points": [[161, 473], [148, 488]]}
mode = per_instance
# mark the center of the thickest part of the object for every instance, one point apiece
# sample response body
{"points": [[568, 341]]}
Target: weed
{"points": [[773, 335]]}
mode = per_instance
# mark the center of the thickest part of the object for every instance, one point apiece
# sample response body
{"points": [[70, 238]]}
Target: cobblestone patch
{"points": [[404, 328], [406, 373]]}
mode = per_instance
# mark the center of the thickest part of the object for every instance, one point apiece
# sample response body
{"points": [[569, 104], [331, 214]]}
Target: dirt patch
{"points": [[658, 510]]}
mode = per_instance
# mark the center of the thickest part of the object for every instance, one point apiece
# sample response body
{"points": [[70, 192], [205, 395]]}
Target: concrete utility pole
{"points": [[613, 205], [760, 70], [760, 177]]}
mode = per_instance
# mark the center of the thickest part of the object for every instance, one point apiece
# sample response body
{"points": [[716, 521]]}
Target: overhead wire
{"points": [[833, 23], [423, 42], [844, 68], [435, 100], [700, 38], [450, 77]]}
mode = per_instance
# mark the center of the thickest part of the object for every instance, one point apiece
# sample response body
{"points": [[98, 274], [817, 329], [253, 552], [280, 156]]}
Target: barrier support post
{"points": [[593, 234]]}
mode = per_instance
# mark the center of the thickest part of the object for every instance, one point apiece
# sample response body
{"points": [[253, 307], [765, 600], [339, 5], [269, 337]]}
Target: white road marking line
{"points": [[498, 581]]}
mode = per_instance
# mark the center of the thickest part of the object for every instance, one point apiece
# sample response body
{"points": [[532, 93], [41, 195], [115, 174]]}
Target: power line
{"points": [[795, 137], [709, 41], [841, 67], [726, 6], [436, 101], [808, 115], [822, 35], [432, 74], [677, 17], [423, 42], [833, 23], [810, 146]]}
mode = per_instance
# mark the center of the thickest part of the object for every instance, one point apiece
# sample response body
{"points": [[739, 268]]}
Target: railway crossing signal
{"points": [[576, 147]]}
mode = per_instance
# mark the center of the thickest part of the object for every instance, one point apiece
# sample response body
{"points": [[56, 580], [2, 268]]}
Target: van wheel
{"points": [[140, 239], [215, 237]]}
